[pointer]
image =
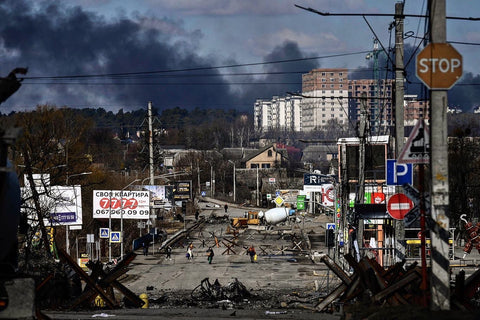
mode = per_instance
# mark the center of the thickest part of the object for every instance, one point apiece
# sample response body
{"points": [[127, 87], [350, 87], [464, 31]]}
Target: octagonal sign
{"points": [[439, 66]]}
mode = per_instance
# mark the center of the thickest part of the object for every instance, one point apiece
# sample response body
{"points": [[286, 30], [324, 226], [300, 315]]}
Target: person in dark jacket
{"points": [[252, 253], [210, 255]]}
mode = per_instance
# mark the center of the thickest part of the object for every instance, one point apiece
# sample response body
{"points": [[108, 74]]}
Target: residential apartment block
{"points": [[377, 97], [279, 113], [327, 95], [414, 110]]}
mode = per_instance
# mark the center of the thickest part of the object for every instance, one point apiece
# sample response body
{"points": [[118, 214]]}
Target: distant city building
{"points": [[414, 110], [378, 102], [279, 113], [325, 93]]}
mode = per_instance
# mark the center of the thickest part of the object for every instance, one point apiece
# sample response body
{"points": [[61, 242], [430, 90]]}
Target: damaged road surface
{"points": [[282, 283]]}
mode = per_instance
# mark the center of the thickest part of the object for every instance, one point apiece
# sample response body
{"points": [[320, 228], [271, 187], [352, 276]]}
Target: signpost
{"points": [[439, 66], [399, 205], [399, 174], [417, 148], [104, 233], [115, 237]]}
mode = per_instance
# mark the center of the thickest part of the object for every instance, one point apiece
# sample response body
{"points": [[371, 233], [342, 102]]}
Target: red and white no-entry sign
{"points": [[399, 205]]}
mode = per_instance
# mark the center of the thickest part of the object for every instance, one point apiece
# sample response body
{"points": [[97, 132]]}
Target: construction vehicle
{"points": [[251, 218]]}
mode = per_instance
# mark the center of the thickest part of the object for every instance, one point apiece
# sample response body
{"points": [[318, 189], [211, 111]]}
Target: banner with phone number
{"points": [[115, 203]]}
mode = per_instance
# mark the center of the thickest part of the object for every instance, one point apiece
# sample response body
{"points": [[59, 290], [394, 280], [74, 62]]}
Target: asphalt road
{"points": [[281, 272]]}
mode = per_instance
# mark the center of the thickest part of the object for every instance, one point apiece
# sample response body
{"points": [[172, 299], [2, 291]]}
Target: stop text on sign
{"points": [[439, 66], [443, 65]]}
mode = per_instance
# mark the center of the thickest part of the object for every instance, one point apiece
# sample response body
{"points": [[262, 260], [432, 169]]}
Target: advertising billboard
{"points": [[117, 204], [63, 204]]}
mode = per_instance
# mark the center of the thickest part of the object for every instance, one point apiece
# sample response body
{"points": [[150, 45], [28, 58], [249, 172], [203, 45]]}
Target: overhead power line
{"points": [[124, 74], [322, 13]]}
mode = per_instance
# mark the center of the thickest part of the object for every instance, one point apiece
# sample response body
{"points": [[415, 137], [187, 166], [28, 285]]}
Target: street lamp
{"points": [[67, 241], [212, 179], [121, 215], [234, 181]]}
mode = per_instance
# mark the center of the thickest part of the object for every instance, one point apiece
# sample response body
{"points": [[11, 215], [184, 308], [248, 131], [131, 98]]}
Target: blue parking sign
{"points": [[399, 173]]}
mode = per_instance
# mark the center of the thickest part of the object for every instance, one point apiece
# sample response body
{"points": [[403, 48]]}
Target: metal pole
{"points": [[150, 144], [399, 118], [67, 241], [121, 224], [198, 178], [258, 191], [234, 181], [440, 275], [234, 184], [110, 227], [423, 286]]}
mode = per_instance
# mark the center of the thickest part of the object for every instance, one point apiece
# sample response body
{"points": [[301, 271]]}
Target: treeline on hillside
{"points": [[197, 128]]}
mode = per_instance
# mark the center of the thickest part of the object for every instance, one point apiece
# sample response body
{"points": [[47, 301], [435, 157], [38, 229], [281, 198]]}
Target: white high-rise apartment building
{"points": [[279, 113], [325, 97]]}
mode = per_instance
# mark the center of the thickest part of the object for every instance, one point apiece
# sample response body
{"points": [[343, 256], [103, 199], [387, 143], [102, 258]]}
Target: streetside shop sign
{"points": [[313, 182], [111, 203]]}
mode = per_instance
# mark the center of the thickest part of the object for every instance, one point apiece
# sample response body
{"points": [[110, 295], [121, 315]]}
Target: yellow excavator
{"points": [[251, 218]]}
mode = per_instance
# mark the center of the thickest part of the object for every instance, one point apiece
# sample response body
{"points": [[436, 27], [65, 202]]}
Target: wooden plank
{"points": [[336, 269], [331, 297], [396, 286], [85, 277]]}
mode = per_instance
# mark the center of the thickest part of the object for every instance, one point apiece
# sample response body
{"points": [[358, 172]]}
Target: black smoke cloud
{"points": [[285, 77], [55, 40]]}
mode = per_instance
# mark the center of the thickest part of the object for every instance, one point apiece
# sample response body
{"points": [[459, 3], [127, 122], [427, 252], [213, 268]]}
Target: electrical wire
{"points": [[124, 74]]}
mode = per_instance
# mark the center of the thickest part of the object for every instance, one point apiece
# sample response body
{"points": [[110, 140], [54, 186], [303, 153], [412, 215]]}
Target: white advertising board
{"points": [[117, 204], [63, 204]]}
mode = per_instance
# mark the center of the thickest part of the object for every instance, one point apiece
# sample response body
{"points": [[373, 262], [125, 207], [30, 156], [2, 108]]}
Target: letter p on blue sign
{"points": [[399, 173]]}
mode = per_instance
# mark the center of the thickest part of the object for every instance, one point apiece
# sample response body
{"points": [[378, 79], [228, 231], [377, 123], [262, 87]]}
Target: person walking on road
{"points": [[190, 252], [252, 253], [196, 215], [145, 249], [226, 208], [210, 255], [168, 250]]}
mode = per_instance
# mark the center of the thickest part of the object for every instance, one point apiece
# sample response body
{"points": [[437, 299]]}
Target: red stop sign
{"points": [[439, 66], [399, 205]]}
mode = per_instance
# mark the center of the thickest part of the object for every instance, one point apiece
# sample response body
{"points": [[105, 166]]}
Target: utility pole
{"points": [[344, 202], [150, 141], [376, 114], [150, 158], [399, 118], [440, 276], [363, 131]]}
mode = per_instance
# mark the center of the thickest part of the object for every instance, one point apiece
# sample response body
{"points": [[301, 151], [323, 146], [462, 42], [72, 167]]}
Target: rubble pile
{"points": [[371, 286]]}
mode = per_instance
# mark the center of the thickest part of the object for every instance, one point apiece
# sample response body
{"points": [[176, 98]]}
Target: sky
{"points": [[220, 54]]}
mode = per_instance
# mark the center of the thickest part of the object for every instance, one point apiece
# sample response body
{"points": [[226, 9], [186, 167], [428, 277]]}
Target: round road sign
{"points": [[439, 66], [399, 205]]}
